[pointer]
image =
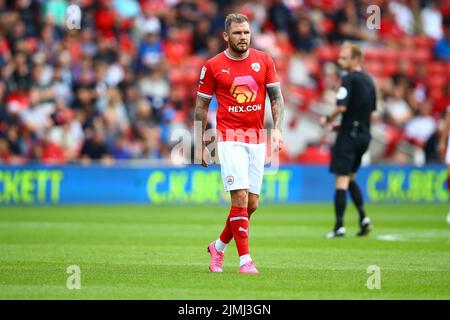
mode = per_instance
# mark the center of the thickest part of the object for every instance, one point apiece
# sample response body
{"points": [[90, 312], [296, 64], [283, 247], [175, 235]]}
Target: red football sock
{"points": [[226, 234], [239, 226]]}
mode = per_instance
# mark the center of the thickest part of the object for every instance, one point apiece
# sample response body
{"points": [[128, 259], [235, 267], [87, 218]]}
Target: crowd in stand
{"points": [[118, 87]]}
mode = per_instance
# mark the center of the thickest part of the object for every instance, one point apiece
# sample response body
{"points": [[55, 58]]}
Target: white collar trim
{"points": [[235, 58]]}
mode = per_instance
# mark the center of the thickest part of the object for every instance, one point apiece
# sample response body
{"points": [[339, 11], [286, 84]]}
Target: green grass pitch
{"points": [[154, 252]]}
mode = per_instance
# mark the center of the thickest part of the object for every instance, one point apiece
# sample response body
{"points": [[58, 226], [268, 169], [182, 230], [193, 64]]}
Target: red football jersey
{"points": [[240, 88]]}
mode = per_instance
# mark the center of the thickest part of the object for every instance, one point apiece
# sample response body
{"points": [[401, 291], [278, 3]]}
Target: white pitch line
{"points": [[387, 237]]}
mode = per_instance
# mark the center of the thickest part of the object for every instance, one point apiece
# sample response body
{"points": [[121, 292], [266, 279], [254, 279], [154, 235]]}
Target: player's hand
{"points": [[202, 155], [323, 121], [277, 140]]}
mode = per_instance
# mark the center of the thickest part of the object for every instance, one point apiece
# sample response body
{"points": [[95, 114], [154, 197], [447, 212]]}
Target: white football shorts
{"points": [[242, 165], [447, 154]]}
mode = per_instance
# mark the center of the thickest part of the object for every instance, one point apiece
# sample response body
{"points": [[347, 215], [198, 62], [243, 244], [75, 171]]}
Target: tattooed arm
{"points": [[277, 104], [201, 118]]}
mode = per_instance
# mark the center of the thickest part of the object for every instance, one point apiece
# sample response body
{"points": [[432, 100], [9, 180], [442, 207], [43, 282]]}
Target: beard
{"points": [[342, 70], [236, 48]]}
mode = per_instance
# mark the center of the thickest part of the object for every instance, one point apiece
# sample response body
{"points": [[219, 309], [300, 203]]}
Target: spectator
{"points": [[150, 53], [442, 48], [55, 10], [403, 15], [120, 73], [95, 148], [305, 37], [432, 20], [200, 38], [349, 21], [155, 87], [280, 16], [422, 126], [36, 116], [398, 112]]}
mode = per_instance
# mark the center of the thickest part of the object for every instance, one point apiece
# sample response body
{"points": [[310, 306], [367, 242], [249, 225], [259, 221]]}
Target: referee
{"points": [[355, 100]]}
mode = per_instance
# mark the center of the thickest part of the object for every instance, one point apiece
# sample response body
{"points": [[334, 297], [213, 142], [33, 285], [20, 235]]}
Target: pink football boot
{"points": [[216, 258], [248, 268]]}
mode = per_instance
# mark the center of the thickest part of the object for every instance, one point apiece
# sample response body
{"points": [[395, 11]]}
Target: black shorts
{"points": [[348, 151]]}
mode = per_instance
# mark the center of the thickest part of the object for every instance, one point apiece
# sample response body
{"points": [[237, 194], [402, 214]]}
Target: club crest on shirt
{"points": [[230, 180], [256, 66]]}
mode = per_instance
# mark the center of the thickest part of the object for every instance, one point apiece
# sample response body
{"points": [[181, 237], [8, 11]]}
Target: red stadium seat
{"points": [[436, 94], [371, 54], [196, 62], [421, 55], [435, 68], [313, 66], [375, 69], [389, 68], [410, 69], [436, 82], [176, 51], [306, 95], [407, 54], [422, 41], [390, 54], [176, 76], [184, 35], [327, 53], [191, 76], [314, 155]]}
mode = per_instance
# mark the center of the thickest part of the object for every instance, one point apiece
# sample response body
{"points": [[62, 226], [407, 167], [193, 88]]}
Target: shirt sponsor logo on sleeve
{"points": [[342, 93], [202, 73]]}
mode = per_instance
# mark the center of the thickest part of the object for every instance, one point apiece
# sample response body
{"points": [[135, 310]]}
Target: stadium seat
{"points": [[422, 41], [390, 54], [437, 81], [389, 68], [176, 51], [436, 94], [306, 95], [314, 155], [435, 68], [313, 67], [195, 61], [421, 55], [327, 53], [184, 35], [373, 54], [375, 69], [176, 76]]}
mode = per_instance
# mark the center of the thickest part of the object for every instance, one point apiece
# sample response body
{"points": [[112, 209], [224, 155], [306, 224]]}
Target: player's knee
{"points": [[252, 207], [239, 198], [342, 182]]}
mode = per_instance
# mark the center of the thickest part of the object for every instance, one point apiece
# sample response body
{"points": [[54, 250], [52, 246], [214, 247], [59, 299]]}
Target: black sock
{"points": [[340, 202], [355, 193]]}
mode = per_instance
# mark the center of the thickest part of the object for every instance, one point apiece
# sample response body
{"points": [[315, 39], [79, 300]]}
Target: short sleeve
{"points": [[344, 92], [271, 74], [207, 82]]}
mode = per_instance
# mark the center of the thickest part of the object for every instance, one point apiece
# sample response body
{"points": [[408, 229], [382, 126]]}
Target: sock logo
{"points": [[243, 230]]}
